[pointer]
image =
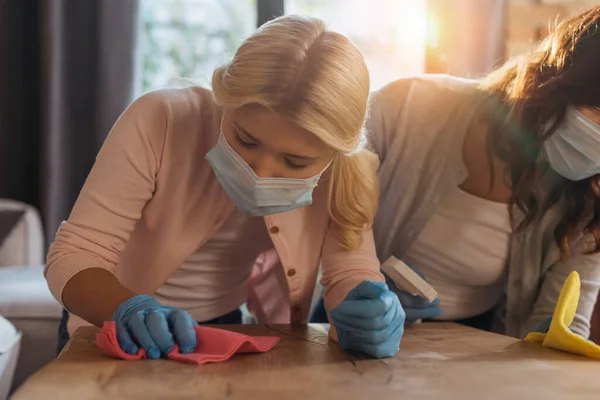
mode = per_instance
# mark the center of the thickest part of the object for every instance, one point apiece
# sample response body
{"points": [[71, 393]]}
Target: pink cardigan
{"points": [[152, 199]]}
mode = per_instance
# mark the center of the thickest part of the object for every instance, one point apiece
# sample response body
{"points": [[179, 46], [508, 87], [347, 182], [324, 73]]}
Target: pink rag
{"points": [[214, 345]]}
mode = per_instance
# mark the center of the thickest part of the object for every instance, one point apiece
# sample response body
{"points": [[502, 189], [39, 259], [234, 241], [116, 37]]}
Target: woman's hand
{"points": [[415, 307], [370, 320], [141, 320]]}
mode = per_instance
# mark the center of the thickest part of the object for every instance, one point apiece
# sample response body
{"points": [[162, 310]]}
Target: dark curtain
{"points": [[266, 10], [66, 74], [470, 36]]}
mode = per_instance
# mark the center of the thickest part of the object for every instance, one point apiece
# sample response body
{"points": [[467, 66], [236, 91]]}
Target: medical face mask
{"points": [[573, 150], [251, 194]]}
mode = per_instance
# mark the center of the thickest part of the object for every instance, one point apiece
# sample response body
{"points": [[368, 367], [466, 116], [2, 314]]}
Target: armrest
{"points": [[21, 234]]}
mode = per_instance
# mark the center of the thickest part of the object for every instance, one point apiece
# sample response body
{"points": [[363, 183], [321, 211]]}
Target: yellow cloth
{"points": [[559, 335]]}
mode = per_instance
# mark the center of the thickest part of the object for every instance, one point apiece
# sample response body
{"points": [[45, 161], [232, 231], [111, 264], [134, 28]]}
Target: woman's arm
{"points": [[588, 267], [343, 270], [82, 260], [94, 294]]}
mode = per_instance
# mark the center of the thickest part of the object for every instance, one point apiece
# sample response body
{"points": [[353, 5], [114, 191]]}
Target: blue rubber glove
{"points": [[370, 320], [544, 325], [415, 307], [141, 320]]}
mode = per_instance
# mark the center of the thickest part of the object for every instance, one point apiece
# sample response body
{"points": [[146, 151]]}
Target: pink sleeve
{"points": [[118, 187], [343, 270]]}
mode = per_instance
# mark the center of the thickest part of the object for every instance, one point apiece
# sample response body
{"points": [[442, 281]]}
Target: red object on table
{"points": [[214, 345]]}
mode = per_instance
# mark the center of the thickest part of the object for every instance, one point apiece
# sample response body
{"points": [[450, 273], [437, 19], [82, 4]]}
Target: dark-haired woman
{"points": [[492, 188]]}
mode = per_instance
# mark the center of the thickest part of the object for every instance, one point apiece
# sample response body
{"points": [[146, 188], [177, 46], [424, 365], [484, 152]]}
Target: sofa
{"points": [[10, 344], [25, 300]]}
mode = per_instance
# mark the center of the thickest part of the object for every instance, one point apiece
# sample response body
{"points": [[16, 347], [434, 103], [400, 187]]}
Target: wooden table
{"points": [[437, 361]]}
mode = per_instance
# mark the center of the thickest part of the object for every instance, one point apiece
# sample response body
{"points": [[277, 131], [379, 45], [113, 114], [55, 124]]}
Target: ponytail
{"points": [[353, 196]]}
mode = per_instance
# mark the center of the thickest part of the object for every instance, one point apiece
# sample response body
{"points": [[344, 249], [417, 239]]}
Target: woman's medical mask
{"points": [[251, 194], [573, 150]]}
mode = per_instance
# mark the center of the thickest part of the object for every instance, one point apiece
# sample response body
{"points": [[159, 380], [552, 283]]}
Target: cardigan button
{"points": [[274, 230], [291, 272]]}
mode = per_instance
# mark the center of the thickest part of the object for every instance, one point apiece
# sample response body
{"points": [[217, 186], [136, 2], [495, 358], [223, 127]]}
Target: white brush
{"points": [[408, 280]]}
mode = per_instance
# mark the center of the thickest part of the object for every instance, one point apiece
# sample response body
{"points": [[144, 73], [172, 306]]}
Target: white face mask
{"points": [[573, 150], [251, 194]]}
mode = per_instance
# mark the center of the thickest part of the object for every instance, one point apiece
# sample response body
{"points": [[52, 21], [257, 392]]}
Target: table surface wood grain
{"points": [[437, 361]]}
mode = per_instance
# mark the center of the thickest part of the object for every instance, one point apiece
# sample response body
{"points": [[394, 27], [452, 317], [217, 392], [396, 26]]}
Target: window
{"points": [[184, 40], [391, 34]]}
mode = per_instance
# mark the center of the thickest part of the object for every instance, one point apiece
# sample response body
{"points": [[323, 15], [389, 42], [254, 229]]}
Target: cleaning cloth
{"points": [[559, 336], [214, 345]]}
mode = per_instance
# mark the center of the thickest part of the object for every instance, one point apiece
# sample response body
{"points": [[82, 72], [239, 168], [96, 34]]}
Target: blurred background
{"points": [[70, 67]]}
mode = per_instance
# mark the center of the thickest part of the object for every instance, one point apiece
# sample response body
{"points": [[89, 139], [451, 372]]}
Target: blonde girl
{"points": [[192, 185]]}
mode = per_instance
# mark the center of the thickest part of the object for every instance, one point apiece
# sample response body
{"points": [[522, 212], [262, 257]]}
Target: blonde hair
{"points": [[319, 81]]}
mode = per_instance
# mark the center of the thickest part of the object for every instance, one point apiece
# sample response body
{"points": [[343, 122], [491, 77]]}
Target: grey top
{"points": [[417, 127]]}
